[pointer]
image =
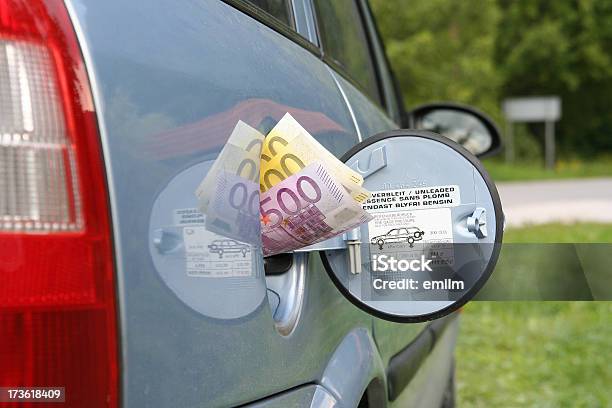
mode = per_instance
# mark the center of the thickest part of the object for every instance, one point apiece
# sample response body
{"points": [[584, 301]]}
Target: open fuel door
{"points": [[436, 233]]}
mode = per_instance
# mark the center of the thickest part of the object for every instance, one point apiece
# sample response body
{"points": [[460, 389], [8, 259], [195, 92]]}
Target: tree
{"points": [[562, 48], [480, 52], [442, 49]]}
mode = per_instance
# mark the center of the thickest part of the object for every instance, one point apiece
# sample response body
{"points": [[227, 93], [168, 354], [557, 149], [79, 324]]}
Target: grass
{"points": [[535, 354], [554, 262], [538, 354], [501, 171], [560, 233]]}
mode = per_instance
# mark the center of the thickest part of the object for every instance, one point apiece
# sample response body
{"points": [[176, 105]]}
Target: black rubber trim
{"points": [[438, 326], [377, 50], [404, 365], [396, 92], [367, 32], [499, 218]]}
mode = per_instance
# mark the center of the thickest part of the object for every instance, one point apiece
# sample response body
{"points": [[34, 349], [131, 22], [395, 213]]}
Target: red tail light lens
{"points": [[57, 298]]}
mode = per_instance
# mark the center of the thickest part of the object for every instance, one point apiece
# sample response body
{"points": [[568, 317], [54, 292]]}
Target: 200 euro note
{"points": [[241, 156], [305, 208], [229, 194], [233, 210], [289, 148]]}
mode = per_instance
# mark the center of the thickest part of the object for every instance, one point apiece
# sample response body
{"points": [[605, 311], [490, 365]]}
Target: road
{"points": [[540, 202]]}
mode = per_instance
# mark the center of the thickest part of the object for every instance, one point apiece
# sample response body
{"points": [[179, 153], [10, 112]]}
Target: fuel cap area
{"points": [[210, 272], [436, 233]]}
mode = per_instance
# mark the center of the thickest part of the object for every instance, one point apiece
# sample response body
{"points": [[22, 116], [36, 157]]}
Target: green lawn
{"points": [[535, 354], [560, 233], [538, 354], [501, 171]]}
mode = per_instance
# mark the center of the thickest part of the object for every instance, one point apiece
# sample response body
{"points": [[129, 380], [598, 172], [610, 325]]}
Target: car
{"points": [[116, 112], [397, 235], [228, 246]]}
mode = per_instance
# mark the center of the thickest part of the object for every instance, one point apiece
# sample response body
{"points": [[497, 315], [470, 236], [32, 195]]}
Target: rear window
{"points": [[280, 9]]}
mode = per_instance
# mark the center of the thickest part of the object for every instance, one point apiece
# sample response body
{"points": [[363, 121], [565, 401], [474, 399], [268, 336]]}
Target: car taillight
{"points": [[57, 295]]}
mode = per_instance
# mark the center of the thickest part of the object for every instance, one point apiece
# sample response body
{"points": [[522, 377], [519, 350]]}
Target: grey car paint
{"points": [[169, 83]]}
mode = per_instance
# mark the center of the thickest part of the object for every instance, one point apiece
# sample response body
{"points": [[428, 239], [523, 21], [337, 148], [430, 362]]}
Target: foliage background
{"points": [[482, 51], [544, 354]]}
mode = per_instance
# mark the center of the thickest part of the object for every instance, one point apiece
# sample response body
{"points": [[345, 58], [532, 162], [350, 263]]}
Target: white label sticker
{"points": [[413, 199], [411, 222], [211, 255]]}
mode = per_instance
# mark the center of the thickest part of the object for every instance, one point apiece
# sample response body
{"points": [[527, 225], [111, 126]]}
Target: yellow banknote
{"points": [[289, 148], [240, 156]]}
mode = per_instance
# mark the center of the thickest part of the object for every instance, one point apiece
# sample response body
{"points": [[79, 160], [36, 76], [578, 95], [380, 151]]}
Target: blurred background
{"points": [[482, 52]]}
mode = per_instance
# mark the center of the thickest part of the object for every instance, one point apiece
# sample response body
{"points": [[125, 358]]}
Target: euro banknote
{"points": [[289, 148], [305, 208], [241, 156], [233, 210], [308, 196]]}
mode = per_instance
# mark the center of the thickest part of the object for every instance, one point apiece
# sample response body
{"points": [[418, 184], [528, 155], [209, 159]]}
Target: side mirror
{"points": [[472, 129]]}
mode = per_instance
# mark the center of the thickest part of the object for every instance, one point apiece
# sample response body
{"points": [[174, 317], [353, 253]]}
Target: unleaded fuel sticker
{"points": [[410, 223], [413, 199]]}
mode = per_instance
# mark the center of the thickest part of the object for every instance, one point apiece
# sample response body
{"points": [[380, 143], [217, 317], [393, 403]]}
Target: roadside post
{"points": [[545, 109]]}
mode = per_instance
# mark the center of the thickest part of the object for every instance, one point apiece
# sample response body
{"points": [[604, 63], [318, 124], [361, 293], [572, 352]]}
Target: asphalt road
{"points": [[567, 201]]}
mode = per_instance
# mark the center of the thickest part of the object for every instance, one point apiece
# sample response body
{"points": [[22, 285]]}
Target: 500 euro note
{"points": [[306, 208], [233, 210]]}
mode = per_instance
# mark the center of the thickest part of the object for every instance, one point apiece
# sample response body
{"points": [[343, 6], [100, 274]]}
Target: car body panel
{"points": [[169, 85], [391, 337], [370, 118]]}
